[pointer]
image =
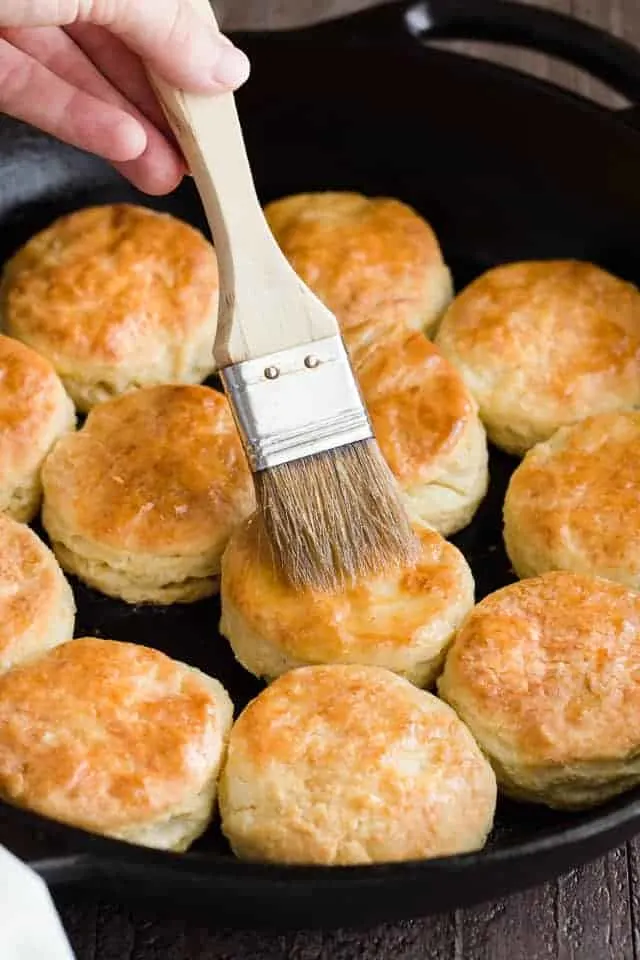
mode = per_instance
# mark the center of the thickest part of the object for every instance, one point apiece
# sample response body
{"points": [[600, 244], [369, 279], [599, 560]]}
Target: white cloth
{"points": [[30, 928]]}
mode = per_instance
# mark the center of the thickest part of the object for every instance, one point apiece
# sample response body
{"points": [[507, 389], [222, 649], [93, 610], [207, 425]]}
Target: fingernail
{"points": [[232, 67], [128, 140]]}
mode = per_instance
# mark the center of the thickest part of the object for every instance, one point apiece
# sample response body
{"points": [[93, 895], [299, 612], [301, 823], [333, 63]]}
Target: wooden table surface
{"points": [[591, 914]]}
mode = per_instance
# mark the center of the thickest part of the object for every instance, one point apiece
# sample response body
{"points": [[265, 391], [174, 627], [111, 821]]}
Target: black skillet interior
{"points": [[504, 168]]}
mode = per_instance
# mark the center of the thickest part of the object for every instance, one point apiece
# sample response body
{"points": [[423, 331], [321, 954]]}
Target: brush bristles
{"points": [[334, 517]]}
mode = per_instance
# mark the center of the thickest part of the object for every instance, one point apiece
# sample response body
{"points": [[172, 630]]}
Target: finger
{"points": [[121, 66], [184, 47], [160, 168], [31, 92], [151, 174]]}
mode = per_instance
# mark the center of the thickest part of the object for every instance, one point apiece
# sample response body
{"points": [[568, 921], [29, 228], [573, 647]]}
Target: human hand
{"points": [[74, 69]]}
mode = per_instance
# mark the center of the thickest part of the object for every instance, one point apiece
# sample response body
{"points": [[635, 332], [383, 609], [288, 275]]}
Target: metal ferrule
{"points": [[296, 403]]}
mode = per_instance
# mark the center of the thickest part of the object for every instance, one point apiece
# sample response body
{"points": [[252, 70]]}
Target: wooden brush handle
{"points": [[264, 306]]}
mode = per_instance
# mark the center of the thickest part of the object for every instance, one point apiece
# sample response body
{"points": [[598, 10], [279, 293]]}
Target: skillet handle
{"points": [[608, 58]]}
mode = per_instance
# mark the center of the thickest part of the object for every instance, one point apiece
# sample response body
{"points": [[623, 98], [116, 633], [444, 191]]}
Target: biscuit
{"points": [[546, 675], [352, 765], [403, 620], [427, 425], [116, 297], [116, 739], [375, 263], [34, 412], [574, 502], [140, 503], [544, 344], [37, 609]]}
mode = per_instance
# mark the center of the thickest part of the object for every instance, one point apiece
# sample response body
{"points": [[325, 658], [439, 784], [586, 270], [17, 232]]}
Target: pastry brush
{"points": [[328, 502]]}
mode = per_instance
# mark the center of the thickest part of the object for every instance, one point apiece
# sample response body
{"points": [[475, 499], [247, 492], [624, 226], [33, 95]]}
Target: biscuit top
{"points": [[548, 670], [336, 715], [566, 332], [31, 398], [345, 763], [31, 586], [579, 493], [159, 471], [371, 261], [383, 613], [106, 283], [106, 735], [418, 404]]}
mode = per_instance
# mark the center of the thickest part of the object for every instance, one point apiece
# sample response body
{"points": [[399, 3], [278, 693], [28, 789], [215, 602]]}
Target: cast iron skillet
{"points": [[504, 167]]}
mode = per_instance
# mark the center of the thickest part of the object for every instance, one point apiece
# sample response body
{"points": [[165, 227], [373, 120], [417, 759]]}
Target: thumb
{"points": [[184, 47]]}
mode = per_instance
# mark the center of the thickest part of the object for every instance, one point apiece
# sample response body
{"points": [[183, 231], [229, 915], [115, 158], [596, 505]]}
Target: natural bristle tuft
{"points": [[334, 517]]}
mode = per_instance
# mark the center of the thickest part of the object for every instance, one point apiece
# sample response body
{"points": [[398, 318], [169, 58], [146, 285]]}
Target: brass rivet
{"points": [[311, 362], [272, 373]]}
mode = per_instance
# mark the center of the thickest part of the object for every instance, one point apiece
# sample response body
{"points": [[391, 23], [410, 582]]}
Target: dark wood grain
{"points": [[591, 914]]}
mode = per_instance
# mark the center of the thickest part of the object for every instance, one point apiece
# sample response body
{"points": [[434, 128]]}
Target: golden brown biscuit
{"points": [[546, 674], [574, 502], [352, 765], [34, 412], [37, 610], [116, 739], [378, 266], [116, 297], [140, 503], [428, 428], [544, 344], [402, 620], [375, 263]]}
